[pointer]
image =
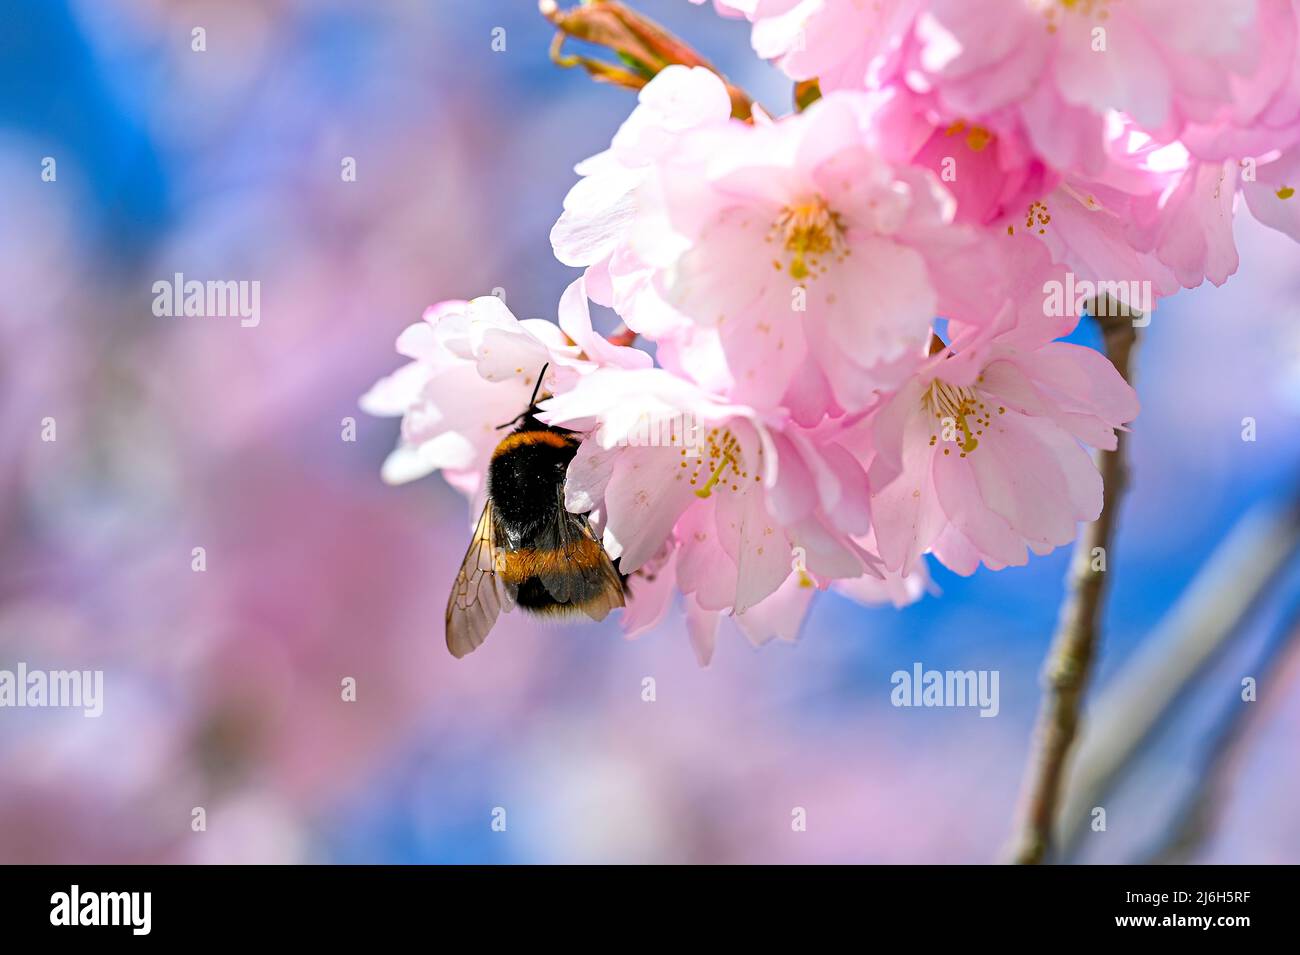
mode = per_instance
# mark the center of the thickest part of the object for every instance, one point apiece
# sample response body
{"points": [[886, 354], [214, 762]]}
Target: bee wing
{"points": [[593, 585], [478, 595]]}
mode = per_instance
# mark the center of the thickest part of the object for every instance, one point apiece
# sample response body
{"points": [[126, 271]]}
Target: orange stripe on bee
{"points": [[524, 438], [527, 562]]}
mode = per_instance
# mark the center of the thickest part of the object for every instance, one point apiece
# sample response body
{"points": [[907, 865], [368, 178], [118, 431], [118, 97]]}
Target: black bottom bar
{"points": [[334, 904]]}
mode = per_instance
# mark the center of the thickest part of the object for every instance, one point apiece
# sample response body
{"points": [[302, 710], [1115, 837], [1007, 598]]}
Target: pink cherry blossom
{"points": [[731, 8], [994, 175], [1224, 74], [787, 262], [1189, 228], [1273, 195], [743, 502], [779, 616], [890, 587], [1263, 114], [1161, 62], [1119, 198], [1155, 217], [474, 366], [1071, 115], [801, 427], [1164, 62], [979, 456], [1164, 217], [599, 208], [1186, 224], [843, 45]]}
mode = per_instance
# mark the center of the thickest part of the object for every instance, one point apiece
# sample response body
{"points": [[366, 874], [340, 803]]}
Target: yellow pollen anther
{"points": [[719, 451], [958, 404], [977, 137], [1093, 9], [1037, 214], [809, 230], [707, 490]]}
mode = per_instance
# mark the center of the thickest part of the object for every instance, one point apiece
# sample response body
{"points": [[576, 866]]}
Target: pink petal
{"points": [[649, 598], [780, 616], [958, 493], [702, 628], [642, 505]]}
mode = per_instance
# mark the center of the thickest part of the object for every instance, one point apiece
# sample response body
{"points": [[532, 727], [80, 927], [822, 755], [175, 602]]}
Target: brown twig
{"points": [[622, 336], [642, 46], [1075, 645]]}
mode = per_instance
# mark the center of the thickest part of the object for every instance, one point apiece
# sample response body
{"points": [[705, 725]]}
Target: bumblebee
{"points": [[528, 551]]}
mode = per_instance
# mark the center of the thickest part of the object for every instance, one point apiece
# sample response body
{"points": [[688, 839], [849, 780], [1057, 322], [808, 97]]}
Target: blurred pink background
{"points": [[222, 688]]}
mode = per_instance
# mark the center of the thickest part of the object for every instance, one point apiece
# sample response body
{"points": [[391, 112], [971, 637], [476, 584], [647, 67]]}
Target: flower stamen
{"points": [[809, 230], [721, 450], [961, 406], [707, 490]]}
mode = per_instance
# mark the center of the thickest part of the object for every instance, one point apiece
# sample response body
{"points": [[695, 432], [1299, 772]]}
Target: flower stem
{"points": [[642, 47], [1074, 647]]}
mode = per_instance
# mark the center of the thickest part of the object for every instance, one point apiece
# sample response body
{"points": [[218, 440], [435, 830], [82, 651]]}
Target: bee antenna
{"points": [[531, 401], [538, 387]]}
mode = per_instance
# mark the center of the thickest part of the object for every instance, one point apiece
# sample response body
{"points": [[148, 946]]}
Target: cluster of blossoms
{"points": [[856, 309]]}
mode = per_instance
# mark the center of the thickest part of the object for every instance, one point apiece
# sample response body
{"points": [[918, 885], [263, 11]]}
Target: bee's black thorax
{"points": [[525, 477]]}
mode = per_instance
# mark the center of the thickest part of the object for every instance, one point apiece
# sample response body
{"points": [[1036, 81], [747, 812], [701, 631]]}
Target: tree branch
{"points": [[1075, 645], [642, 47]]}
